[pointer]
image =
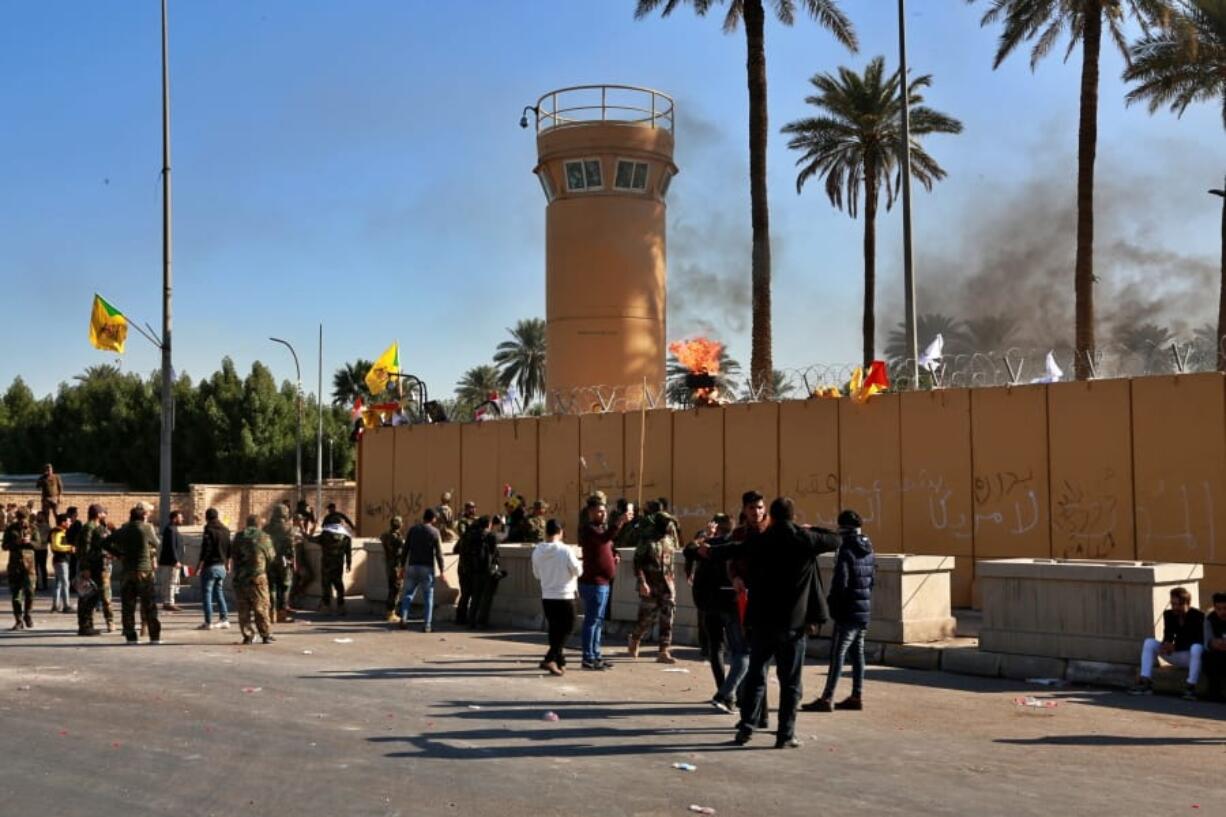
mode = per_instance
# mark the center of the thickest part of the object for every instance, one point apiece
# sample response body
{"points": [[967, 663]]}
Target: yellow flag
{"points": [[108, 328], [377, 377]]}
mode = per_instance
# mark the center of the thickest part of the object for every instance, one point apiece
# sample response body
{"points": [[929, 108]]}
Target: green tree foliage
{"points": [[521, 360], [228, 429], [349, 383]]}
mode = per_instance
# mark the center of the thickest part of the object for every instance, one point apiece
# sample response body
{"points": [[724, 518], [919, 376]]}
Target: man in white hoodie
{"points": [[557, 568]]}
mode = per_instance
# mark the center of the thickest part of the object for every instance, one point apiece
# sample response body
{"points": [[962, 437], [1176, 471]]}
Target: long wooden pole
{"points": [[642, 440]]}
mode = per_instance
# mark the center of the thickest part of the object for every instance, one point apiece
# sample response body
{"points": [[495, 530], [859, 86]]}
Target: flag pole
{"points": [[164, 465], [319, 433], [642, 439]]}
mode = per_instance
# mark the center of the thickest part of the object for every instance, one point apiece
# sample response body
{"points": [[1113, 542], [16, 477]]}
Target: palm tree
{"points": [[679, 394], [855, 142], [1148, 343], [927, 327], [1183, 63], [781, 386], [828, 15], [990, 333], [349, 383], [1043, 21], [475, 385], [521, 360]]}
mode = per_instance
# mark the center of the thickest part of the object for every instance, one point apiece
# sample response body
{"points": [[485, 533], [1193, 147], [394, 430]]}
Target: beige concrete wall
{"points": [[990, 473]]}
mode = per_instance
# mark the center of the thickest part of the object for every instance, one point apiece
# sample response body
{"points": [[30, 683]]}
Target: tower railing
{"points": [[619, 104]]}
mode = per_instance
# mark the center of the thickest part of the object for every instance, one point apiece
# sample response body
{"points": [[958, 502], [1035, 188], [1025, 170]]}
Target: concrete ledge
{"points": [[971, 661], [912, 657], [1101, 673], [1021, 667]]}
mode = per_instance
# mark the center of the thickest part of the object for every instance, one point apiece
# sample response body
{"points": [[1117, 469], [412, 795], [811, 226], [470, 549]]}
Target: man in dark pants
{"points": [[136, 543], [781, 563], [1215, 646], [486, 572]]}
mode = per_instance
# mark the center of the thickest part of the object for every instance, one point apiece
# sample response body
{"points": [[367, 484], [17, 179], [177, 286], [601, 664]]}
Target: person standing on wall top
{"points": [[51, 488]]}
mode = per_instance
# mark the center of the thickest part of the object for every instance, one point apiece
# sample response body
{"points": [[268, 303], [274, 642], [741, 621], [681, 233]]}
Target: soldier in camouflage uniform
{"points": [[281, 568], [393, 552], [466, 519], [335, 560], [19, 543], [304, 574], [252, 553], [653, 566], [136, 543], [94, 573], [444, 519]]}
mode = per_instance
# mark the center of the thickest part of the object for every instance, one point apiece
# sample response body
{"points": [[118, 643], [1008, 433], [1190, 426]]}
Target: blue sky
{"points": [[360, 164]]}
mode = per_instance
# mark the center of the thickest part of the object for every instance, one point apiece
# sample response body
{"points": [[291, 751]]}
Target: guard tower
{"points": [[604, 160]]}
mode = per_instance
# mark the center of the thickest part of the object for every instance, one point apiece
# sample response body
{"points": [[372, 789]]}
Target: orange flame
{"points": [[699, 355]]}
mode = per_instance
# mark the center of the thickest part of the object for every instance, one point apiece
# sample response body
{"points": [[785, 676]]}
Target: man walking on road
{"points": [[252, 554], [170, 562], [423, 551], [137, 545]]}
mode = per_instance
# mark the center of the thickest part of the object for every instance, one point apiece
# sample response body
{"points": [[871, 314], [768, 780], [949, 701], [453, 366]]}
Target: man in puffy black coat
{"points": [[851, 602], [782, 563]]}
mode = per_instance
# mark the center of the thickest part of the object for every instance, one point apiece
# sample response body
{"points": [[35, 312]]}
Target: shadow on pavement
{"points": [[1110, 740]]}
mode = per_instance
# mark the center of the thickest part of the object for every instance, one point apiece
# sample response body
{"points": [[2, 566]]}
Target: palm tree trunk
{"points": [[1221, 304], [761, 363], [870, 262], [1087, 138]]}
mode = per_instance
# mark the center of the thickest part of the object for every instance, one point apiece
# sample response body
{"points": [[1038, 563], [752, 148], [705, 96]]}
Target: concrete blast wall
{"points": [[1111, 469]]}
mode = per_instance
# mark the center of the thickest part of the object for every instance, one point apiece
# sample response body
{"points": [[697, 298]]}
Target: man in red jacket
{"points": [[600, 562]]}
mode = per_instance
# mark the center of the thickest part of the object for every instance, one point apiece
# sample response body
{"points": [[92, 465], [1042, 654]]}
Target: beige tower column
{"points": [[605, 160]]}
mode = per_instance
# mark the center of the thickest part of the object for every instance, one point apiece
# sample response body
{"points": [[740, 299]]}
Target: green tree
{"points": [[679, 394], [927, 327], [476, 384], [990, 333], [349, 383], [1043, 21], [753, 14], [1182, 63], [521, 360], [854, 144]]}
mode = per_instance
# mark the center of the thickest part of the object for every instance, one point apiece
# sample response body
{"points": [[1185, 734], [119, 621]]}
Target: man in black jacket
{"points": [[851, 606], [781, 563], [214, 561], [1182, 645], [170, 562]]}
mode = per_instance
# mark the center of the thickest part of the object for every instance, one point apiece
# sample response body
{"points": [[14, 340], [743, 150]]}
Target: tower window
{"points": [[583, 174], [668, 178], [546, 184], [630, 175]]}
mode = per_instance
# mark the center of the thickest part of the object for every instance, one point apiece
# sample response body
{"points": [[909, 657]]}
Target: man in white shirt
{"points": [[557, 568]]}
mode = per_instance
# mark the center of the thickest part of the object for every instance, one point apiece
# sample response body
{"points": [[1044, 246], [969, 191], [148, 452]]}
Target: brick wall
{"points": [[233, 502]]}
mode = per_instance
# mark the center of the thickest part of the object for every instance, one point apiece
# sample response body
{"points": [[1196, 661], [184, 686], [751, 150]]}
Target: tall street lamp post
{"points": [[298, 457], [904, 162]]}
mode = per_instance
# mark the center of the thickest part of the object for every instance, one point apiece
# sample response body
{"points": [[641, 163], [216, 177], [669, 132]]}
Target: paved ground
{"points": [[402, 723]]}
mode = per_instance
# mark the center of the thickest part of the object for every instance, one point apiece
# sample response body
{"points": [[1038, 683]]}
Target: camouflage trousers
{"points": [[280, 584], [304, 574], [660, 604], [332, 578], [253, 605], [21, 576], [140, 586]]}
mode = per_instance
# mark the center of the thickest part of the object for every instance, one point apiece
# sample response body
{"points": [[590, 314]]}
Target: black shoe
{"points": [[19, 625], [603, 664], [818, 705], [268, 639], [247, 639], [787, 743], [593, 665], [742, 736], [88, 631], [851, 703], [29, 622], [722, 705]]}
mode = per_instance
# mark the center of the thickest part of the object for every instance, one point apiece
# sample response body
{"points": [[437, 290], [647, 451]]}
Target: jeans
{"points": [[1190, 659], [60, 601], [212, 585], [416, 576], [787, 648], [595, 602], [847, 637], [738, 655]]}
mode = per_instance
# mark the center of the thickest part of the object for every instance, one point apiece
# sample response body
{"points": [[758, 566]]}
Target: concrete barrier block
{"points": [[1101, 673], [1021, 667], [912, 657], [971, 661]]}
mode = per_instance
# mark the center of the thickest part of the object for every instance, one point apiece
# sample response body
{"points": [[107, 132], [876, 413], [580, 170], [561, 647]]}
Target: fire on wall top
{"points": [[619, 104]]}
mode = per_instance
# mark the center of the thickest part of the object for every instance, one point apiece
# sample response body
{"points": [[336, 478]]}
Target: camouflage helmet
{"points": [[397, 522]]}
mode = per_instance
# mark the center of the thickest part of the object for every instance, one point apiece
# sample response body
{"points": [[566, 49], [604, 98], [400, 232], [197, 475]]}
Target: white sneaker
{"points": [[223, 625]]}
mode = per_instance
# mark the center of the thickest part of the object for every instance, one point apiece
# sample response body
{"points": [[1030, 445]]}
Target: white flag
{"points": [[1054, 373], [931, 358]]}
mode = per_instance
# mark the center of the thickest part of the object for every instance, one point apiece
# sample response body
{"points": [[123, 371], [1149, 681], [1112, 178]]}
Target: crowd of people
{"points": [[755, 584]]}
